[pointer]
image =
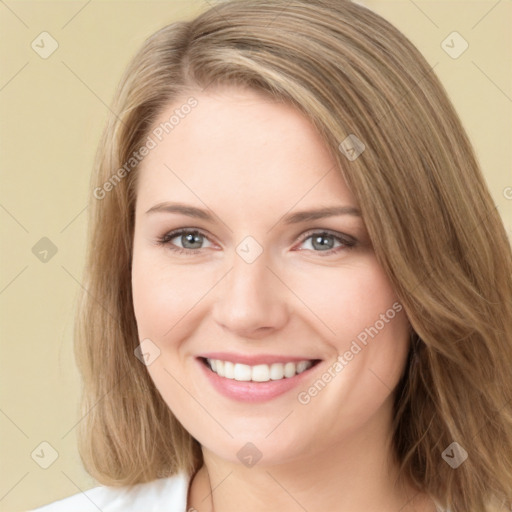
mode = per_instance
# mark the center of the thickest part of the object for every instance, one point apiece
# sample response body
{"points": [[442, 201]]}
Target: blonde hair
{"points": [[434, 227]]}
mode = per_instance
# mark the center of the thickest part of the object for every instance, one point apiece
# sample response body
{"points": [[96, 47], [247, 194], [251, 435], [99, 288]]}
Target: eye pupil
{"points": [[193, 238], [324, 242]]}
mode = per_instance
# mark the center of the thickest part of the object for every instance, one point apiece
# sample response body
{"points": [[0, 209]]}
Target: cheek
{"points": [[164, 298], [365, 325], [163, 295], [348, 300]]}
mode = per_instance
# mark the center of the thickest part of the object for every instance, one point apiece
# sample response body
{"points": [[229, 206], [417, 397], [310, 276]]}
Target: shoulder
{"points": [[165, 494]]}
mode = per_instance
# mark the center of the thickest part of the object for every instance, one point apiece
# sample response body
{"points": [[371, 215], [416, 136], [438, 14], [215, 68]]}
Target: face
{"points": [[264, 324]]}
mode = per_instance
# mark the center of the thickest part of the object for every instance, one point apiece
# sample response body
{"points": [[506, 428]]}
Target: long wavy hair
{"points": [[434, 227]]}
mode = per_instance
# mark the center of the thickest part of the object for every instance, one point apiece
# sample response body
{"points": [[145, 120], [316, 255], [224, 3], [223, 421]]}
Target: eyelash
{"points": [[348, 242]]}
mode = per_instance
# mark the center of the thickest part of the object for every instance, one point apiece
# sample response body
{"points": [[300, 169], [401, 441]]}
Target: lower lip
{"points": [[245, 391]]}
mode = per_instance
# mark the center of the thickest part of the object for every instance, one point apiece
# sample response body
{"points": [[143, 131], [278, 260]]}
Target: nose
{"points": [[252, 301]]}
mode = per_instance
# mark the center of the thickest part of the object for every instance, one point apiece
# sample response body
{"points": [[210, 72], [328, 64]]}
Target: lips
{"points": [[260, 381]]}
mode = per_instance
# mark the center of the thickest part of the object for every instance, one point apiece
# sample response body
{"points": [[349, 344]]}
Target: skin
{"points": [[250, 161]]}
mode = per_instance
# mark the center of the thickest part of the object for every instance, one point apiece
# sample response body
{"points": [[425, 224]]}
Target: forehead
{"points": [[238, 148]]}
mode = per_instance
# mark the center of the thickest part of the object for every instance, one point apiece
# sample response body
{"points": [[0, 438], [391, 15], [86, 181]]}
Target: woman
{"points": [[298, 286]]}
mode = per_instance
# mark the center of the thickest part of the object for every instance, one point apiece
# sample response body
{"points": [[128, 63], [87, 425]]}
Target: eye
{"points": [[190, 240], [325, 242]]}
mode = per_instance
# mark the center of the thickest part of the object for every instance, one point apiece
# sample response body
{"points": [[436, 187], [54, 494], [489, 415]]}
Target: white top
{"points": [[162, 495]]}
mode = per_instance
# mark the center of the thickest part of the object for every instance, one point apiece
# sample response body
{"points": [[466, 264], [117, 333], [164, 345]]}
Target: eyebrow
{"points": [[290, 218]]}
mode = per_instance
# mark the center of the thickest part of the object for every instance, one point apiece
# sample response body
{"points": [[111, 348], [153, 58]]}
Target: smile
{"points": [[257, 373], [254, 378]]}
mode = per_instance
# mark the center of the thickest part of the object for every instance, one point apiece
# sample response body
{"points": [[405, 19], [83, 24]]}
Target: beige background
{"points": [[52, 111]]}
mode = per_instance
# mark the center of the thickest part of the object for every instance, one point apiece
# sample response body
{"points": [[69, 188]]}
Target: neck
{"points": [[359, 474]]}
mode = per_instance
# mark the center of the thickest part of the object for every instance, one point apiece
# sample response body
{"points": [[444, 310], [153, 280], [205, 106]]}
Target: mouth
{"points": [[259, 373], [254, 377]]}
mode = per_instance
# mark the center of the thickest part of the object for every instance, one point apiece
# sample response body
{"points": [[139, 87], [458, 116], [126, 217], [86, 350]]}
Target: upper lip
{"points": [[253, 360]]}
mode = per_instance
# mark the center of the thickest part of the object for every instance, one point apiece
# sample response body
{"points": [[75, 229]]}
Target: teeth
{"points": [[229, 370], [258, 373], [276, 371], [242, 372], [290, 370], [302, 366]]}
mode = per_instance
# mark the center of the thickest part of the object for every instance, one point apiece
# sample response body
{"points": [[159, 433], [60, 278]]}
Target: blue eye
{"points": [[323, 242], [192, 240], [189, 238]]}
